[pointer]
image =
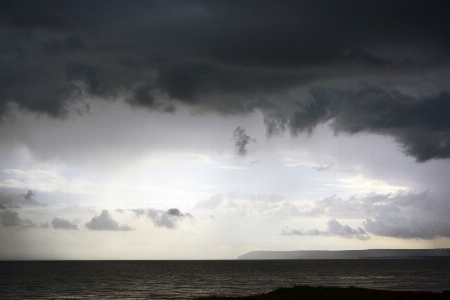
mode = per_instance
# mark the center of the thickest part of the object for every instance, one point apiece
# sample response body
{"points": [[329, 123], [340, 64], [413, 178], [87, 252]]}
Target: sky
{"points": [[208, 129]]}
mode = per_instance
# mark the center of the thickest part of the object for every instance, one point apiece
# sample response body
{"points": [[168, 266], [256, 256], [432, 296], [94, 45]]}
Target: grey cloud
{"points": [[142, 95], [29, 199], [404, 215], [366, 206], [407, 227], [346, 231], [17, 201], [419, 216], [323, 167], [59, 223], [29, 195], [234, 57], [301, 232], [334, 229], [174, 212], [6, 201], [254, 162], [44, 225], [105, 222], [241, 139], [11, 219], [168, 219], [419, 124], [276, 123], [138, 212], [162, 219], [191, 82], [210, 203]]}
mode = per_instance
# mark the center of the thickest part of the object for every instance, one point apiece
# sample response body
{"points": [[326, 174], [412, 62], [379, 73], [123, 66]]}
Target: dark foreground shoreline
{"points": [[338, 293]]}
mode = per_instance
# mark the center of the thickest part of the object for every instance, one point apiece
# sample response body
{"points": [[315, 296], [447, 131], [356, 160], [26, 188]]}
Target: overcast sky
{"points": [[207, 129]]}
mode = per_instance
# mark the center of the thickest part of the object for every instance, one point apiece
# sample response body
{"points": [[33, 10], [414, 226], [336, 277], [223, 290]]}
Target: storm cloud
{"points": [[420, 125], [236, 57]]}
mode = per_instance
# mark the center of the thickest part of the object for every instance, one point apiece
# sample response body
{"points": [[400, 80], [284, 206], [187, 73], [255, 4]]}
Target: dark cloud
{"points": [[419, 125], [241, 139], [334, 229], [59, 223], [168, 219], [11, 219], [105, 222], [234, 57]]}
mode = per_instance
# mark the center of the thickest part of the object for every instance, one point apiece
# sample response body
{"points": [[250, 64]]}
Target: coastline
{"points": [[337, 293]]}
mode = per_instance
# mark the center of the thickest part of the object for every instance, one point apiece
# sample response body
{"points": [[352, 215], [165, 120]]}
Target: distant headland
{"points": [[349, 254]]}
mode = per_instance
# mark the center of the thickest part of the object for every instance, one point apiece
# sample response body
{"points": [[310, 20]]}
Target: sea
{"points": [[190, 279]]}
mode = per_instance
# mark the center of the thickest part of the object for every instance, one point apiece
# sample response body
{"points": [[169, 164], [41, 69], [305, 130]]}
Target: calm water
{"points": [[187, 279]]}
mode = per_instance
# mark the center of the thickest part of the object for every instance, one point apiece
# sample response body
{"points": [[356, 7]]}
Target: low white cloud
{"points": [[368, 185], [46, 181], [210, 203], [230, 168]]}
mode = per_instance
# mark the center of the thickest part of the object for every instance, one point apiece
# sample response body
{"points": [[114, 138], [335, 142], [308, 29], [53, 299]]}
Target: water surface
{"points": [[188, 279]]}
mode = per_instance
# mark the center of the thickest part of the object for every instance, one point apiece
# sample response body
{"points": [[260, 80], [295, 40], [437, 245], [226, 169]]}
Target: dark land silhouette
{"points": [[349, 254]]}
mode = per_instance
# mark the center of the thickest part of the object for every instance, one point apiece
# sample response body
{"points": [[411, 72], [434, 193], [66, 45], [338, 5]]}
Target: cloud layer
{"points": [[301, 63]]}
